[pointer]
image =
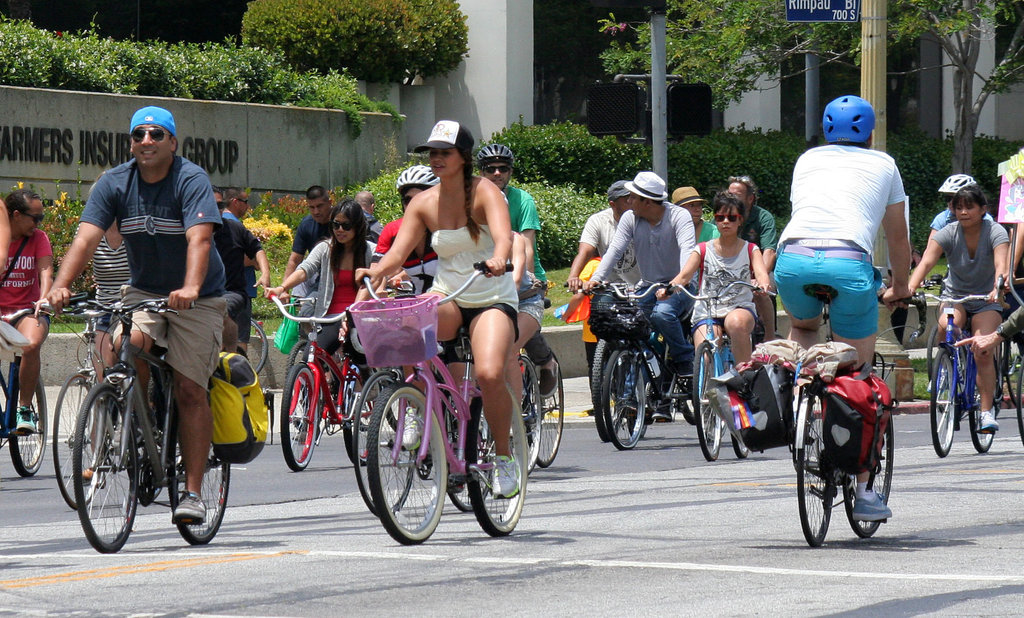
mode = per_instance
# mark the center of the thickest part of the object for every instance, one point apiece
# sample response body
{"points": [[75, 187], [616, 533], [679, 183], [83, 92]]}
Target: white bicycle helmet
{"points": [[956, 182], [416, 176]]}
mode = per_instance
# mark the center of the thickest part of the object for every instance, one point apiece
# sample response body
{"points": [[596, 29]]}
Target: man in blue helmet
{"points": [[842, 193]]}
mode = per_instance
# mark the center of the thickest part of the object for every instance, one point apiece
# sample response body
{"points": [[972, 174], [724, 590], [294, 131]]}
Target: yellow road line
{"points": [[149, 567]]}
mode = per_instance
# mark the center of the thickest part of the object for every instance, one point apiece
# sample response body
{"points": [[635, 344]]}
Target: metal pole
{"points": [[659, 129], [812, 115], [872, 69]]}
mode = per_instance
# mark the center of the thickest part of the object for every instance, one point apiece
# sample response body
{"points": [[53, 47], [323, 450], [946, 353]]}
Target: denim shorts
{"points": [[854, 311]]}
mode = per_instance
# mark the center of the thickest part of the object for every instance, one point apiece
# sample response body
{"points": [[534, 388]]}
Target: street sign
{"points": [[844, 11]]}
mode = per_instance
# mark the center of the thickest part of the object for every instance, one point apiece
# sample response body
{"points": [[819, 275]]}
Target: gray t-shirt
{"points": [[153, 219], [661, 250], [598, 232], [967, 275]]}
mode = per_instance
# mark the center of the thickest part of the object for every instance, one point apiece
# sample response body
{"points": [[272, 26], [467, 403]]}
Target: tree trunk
{"points": [[966, 122], [20, 9]]}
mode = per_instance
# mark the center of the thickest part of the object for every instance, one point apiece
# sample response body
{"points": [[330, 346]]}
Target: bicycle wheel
{"points": [[297, 354], [943, 408], [624, 391], [258, 346], [709, 426], [815, 489], [364, 406], [300, 417], [65, 417], [531, 407], [214, 492], [1020, 408], [409, 495], [552, 422], [27, 451], [107, 496], [497, 516], [982, 441], [602, 351], [739, 448], [881, 482], [1009, 367]]}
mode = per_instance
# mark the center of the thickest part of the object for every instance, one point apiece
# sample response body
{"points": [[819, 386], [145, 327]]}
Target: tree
{"points": [[731, 44], [962, 27]]}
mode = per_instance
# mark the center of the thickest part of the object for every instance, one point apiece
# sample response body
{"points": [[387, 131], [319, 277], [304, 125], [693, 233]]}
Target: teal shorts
{"points": [[854, 310]]}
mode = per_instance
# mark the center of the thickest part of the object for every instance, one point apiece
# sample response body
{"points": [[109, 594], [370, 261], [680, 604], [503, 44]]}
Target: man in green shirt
{"points": [[758, 228], [1006, 331], [496, 164]]}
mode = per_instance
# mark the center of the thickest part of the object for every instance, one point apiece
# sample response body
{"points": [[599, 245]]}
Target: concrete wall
{"points": [[493, 87], [67, 137], [758, 108]]}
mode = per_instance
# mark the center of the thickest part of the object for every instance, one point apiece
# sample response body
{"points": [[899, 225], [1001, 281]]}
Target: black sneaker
{"points": [[190, 509]]}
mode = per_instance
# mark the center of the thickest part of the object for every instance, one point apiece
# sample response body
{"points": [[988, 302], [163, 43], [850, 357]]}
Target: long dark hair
{"points": [[467, 183], [728, 201], [354, 213]]}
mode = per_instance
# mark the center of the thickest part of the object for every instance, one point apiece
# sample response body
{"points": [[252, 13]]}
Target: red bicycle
{"points": [[318, 396]]}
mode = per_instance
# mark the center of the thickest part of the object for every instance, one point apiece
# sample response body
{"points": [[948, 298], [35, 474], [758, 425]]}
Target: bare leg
{"points": [[739, 323], [35, 331], [491, 336], [195, 423], [805, 332], [985, 323], [765, 306], [527, 327]]}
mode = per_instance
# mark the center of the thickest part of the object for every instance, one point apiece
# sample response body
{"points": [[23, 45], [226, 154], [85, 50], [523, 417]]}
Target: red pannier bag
{"points": [[858, 409]]}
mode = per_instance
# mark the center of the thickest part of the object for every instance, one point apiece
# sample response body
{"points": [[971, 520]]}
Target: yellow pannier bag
{"points": [[240, 414]]}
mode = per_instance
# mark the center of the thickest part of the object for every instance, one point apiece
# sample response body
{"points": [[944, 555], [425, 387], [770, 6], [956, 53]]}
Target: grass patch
{"points": [[920, 366]]}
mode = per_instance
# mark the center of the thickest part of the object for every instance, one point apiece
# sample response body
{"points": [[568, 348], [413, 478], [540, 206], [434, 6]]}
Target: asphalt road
{"points": [[656, 530]]}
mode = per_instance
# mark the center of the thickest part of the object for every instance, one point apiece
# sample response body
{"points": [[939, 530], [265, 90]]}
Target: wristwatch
{"points": [[999, 331]]}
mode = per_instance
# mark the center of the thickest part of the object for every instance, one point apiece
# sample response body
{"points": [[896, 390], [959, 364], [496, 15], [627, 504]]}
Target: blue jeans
{"points": [[664, 315]]}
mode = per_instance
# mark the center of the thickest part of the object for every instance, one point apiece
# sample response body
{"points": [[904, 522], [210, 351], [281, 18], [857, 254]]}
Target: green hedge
{"points": [[375, 40], [222, 72], [565, 153]]}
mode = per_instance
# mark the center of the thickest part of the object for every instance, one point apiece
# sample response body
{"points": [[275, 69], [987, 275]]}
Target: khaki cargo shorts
{"points": [[192, 337]]}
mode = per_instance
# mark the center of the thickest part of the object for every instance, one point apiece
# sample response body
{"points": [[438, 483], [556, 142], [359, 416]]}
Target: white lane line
{"points": [[595, 564]]}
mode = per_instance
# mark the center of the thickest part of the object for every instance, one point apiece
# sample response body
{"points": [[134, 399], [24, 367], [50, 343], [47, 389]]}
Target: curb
{"points": [[914, 406]]}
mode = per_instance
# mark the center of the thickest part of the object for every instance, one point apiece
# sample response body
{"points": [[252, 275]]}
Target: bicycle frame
{"points": [[10, 388], [460, 397], [963, 396], [320, 362]]}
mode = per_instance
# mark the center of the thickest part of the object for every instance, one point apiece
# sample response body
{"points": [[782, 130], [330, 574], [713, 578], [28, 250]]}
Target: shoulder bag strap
{"points": [[14, 260]]}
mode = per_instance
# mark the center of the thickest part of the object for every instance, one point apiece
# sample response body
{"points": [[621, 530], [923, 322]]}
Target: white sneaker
{"points": [[411, 433], [988, 422], [505, 481]]}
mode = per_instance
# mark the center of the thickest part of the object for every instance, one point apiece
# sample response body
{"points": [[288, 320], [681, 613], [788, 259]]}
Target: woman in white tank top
{"points": [[469, 220]]}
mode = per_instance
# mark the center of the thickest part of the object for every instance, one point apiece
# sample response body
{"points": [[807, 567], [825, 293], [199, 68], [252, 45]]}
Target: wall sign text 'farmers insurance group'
{"points": [[59, 146]]}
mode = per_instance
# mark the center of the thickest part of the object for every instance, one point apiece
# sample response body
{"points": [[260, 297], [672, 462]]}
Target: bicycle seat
{"points": [[824, 293]]}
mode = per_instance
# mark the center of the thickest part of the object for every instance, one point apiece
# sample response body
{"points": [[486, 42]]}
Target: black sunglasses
{"points": [[721, 218], [490, 169], [345, 225], [37, 218], [156, 134]]}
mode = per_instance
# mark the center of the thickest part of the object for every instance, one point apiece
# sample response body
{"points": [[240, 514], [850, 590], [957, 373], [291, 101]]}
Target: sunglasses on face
{"points": [[344, 225], [501, 169], [37, 218], [723, 218], [157, 135]]}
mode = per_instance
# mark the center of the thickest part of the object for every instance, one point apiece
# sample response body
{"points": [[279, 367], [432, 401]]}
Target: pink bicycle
{"points": [[427, 435]]}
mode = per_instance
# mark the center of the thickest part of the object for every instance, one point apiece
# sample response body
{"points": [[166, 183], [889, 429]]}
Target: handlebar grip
{"points": [[482, 267]]}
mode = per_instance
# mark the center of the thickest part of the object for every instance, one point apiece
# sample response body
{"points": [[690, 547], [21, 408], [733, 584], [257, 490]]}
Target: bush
{"points": [[374, 40], [223, 72]]}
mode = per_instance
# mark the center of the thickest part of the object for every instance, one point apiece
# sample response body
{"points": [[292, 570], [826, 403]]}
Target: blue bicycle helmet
{"points": [[848, 119]]}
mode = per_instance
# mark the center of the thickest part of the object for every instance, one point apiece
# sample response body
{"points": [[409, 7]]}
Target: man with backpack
{"points": [[842, 193]]}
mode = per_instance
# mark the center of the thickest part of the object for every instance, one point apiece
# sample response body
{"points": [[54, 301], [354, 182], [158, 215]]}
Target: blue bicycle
{"points": [[953, 385], [713, 358], [26, 450]]}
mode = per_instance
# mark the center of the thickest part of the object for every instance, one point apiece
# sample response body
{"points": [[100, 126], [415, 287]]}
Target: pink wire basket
{"points": [[397, 331]]}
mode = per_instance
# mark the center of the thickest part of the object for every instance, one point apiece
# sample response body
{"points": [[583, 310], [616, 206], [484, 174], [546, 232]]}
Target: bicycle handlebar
{"points": [[622, 290], [745, 284], [308, 320]]}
